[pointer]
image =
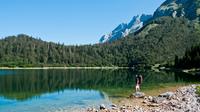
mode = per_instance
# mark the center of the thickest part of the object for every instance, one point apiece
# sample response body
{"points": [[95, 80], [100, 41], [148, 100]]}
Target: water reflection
{"points": [[27, 84]]}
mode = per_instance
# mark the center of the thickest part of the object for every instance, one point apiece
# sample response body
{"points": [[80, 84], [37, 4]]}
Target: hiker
{"points": [[138, 81]]}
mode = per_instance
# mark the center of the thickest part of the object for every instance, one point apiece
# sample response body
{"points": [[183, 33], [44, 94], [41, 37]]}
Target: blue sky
{"points": [[69, 21]]}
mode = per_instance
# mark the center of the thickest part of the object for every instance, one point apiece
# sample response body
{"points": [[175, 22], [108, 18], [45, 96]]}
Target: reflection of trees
{"points": [[187, 77], [28, 83], [168, 77], [158, 77]]}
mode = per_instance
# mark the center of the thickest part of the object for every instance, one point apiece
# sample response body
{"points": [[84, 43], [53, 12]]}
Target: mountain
{"points": [[174, 8], [177, 8], [124, 29]]}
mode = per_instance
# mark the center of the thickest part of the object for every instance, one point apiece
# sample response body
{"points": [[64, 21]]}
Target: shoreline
{"points": [[181, 99], [43, 68]]}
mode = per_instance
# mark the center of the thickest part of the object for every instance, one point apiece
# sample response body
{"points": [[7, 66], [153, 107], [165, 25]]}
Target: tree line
{"points": [[158, 42]]}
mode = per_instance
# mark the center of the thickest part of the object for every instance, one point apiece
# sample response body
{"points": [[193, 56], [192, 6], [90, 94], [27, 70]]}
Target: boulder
{"points": [[158, 100], [167, 95]]}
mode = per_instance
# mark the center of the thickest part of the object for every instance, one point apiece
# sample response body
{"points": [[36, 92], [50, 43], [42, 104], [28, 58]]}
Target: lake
{"points": [[51, 90]]}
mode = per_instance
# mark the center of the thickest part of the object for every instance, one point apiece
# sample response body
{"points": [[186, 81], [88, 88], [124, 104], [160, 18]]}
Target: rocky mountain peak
{"points": [[124, 29], [177, 8]]}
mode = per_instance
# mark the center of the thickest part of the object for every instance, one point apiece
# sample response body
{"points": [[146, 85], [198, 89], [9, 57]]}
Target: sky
{"points": [[72, 22]]}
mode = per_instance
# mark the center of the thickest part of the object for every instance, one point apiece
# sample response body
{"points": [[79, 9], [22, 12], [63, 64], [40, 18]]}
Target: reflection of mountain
{"points": [[28, 83]]}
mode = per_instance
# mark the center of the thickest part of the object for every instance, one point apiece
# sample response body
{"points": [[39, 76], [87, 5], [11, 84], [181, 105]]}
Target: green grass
{"points": [[198, 90]]}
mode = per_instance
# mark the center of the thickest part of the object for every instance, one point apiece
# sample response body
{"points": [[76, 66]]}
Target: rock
{"points": [[102, 107], [173, 103], [153, 105], [198, 100], [145, 98], [139, 95], [158, 99], [89, 109], [114, 108], [125, 110], [92, 110], [184, 99], [145, 101], [122, 108], [113, 105], [150, 98], [168, 95]]}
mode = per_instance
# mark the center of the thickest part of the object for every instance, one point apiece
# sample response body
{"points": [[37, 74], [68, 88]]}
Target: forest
{"points": [[158, 42], [191, 59]]}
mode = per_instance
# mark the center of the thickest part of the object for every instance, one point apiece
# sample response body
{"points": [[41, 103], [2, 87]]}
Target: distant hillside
{"points": [[166, 37]]}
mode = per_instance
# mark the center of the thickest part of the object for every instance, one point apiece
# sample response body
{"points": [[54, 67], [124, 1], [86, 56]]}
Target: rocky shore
{"points": [[183, 99]]}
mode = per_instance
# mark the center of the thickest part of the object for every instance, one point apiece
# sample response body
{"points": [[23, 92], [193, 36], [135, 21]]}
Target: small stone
{"points": [[114, 108], [125, 110], [145, 101], [92, 110], [145, 97], [113, 105], [102, 107], [150, 98], [198, 100], [153, 105], [184, 99], [123, 107]]}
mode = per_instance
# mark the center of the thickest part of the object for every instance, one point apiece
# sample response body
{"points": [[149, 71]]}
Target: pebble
{"points": [[102, 107]]}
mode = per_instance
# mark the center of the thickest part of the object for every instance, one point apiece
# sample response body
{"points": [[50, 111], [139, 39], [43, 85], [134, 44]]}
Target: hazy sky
{"points": [[69, 21]]}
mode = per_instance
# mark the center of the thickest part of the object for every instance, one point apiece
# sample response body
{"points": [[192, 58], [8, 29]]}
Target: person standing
{"points": [[138, 81]]}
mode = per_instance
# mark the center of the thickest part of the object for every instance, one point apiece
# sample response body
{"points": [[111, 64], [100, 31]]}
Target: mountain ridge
{"points": [[124, 29]]}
